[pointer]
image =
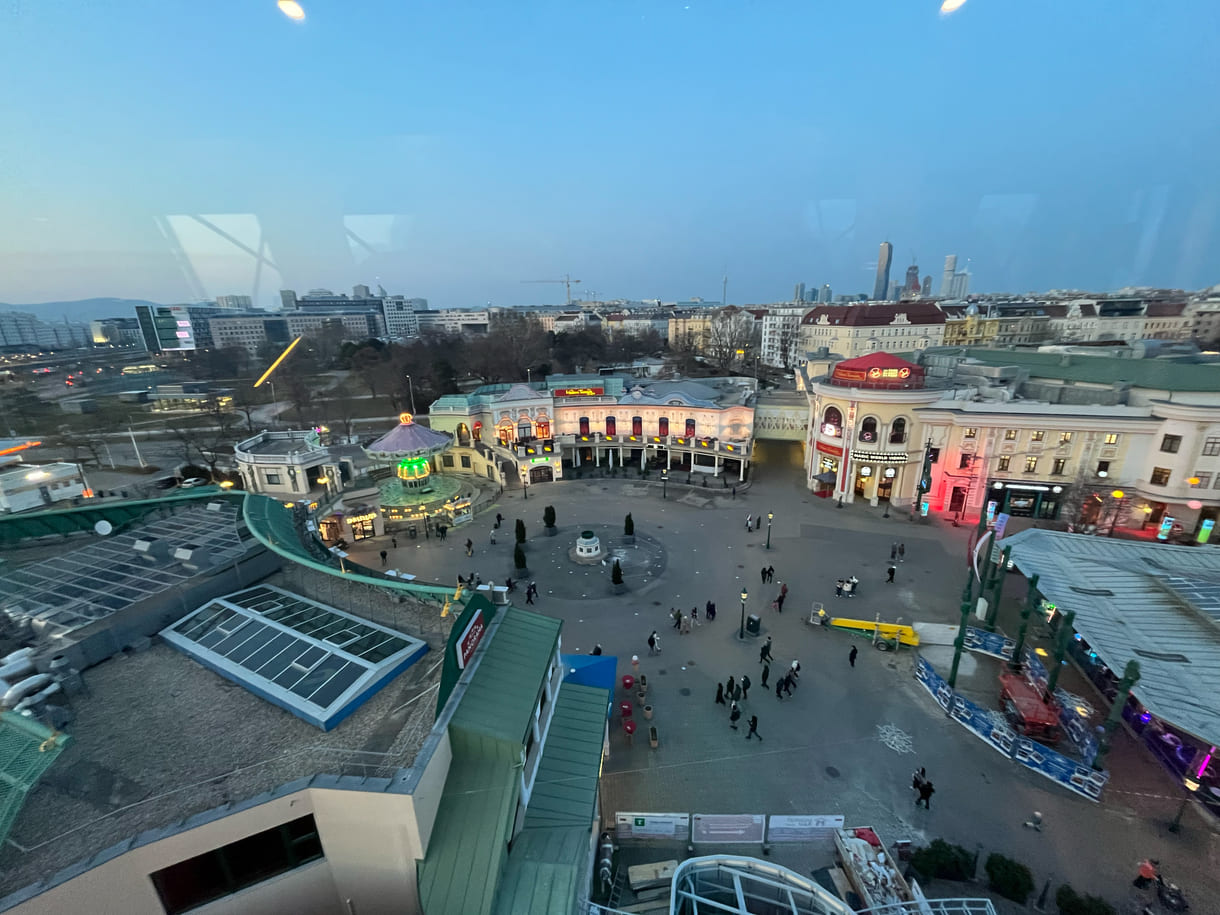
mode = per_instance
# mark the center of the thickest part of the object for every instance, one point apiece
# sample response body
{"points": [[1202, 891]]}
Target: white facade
{"points": [[235, 302], [287, 465], [27, 486], [453, 321], [355, 326], [781, 336], [398, 312]]}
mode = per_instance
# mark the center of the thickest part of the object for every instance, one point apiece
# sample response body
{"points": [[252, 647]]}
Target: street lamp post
{"points": [[1191, 787], [411, 388], [742, 634], [770, 515], [664, 483]]}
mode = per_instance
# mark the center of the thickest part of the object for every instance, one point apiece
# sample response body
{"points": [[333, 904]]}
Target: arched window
{"points": [[690, 428], [663, 426], [637, 425], [898, 431], [584, 425], [543, 428], [832, 422], [611, 425], [868, 430]]}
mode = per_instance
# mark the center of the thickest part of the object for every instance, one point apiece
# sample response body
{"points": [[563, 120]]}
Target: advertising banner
{"points": [[802, 829], [652, 826], [727, 827]]}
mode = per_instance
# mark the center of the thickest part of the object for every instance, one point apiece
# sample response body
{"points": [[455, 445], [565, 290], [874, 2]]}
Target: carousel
{"points": [[409, 490]]}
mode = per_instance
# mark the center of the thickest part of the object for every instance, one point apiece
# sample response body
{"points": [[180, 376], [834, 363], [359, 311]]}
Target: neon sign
{"points": [[878, 373], [579, 392]]}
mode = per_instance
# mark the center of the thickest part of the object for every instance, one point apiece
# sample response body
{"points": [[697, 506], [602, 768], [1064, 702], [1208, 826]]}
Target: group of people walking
{"points": [[684, 622]]}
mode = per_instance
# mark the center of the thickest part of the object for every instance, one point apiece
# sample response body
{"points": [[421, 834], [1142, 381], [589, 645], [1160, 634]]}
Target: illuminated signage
{"points": [[469, 640], [877, 374], [830, 449], [1205, 530], [579, 392], [830, 429], [1166, 528]]}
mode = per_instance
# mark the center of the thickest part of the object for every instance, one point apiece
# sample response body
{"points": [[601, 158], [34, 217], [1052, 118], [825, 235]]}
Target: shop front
{"points": [[1024, 499]]}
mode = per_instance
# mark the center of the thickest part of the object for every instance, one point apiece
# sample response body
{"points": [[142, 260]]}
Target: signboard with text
{"points": [[578, 392], [470, 638], [727, 827], [652, 826], [802, 829]]}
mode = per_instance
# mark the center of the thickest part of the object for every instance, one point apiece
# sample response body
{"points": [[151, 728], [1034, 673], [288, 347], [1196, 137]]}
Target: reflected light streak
{"points": [[293, 10], [949, 6]]}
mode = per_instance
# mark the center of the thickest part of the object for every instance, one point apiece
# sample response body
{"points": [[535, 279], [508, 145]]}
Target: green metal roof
{"points": [[1157, 374], [501, 697], [458, 876], [565, 789], [27, 750], [543, 872]]}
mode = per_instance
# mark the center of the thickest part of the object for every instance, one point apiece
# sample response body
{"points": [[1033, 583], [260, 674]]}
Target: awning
{"points": [[826, 477]]}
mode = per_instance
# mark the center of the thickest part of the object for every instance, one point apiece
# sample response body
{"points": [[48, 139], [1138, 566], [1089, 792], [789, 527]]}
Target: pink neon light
{"points": [[1206, 759]]}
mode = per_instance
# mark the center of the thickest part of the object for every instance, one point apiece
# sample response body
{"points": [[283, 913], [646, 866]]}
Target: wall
{"points": [[479, 463]]}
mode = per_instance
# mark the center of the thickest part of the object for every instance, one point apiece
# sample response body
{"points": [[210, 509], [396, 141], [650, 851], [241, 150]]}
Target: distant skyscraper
{"points": [[882, 285], [798, 294], [946, 280], [235, 302], [824, 294], [894, 292], [961, 285], [926, 291], [911, 286], [361, 292], [288, 300]]}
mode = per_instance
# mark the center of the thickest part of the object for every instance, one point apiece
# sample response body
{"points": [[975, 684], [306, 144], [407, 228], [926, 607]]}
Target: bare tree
{"points": [[730, 334], [211, 441]]}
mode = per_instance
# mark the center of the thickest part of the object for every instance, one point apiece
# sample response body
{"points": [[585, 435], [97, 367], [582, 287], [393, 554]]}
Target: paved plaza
{"points": [[847, 739]]}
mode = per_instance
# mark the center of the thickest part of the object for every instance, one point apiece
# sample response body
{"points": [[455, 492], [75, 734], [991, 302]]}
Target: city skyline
{"points": [[508, 152]]}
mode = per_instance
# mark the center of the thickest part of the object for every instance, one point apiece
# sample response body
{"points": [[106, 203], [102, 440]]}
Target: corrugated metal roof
{"points": [[466, 853], [565, 789], [543, 872], [1127, 608], [501, 697]]}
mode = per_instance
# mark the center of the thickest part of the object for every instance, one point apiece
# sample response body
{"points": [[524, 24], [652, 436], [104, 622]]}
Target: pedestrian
{"points": [[676, 616], [839, 588], [918, 777], [794, 672], [383, 557], [394, 542], [851, 655], [711, 611], [783, 589], [657, 640], [694, 616], [765, 675], [534, 587], [788, 685], [597, 649], [469, 547], [893, 551], [753, 732], [779, 603], [1147, 873], [764, 575], [779, 689], [685, 630], [770, 573], [764, 653], [733, 716], [925, 794], [728, 685], [720, 694], [652, 642], [499, 519], [529, 596], [734, 492], [493, 536], [745, 686], [889, 575], [758, 523], [749, 523], [902, 552]]}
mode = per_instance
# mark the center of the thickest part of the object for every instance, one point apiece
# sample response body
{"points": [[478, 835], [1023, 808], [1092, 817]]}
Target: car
{"points": [[192, 482]]}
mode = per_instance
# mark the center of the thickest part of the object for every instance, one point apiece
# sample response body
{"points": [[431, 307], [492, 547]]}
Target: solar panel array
{"points": [[88, 583], [1202, 592], [308, 658]]}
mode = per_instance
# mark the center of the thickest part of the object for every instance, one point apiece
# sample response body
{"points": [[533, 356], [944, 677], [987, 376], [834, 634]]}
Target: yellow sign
{"points": [[405, 418]]}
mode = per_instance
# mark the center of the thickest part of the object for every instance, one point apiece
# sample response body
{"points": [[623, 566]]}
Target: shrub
{"points": [[519, 557], [1011, 879], [1072, 903], [628, 526], [616, 574], [548, 516], [943, 861], [520, 531]]}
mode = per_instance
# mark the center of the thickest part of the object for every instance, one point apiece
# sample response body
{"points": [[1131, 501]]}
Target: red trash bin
{"points": [[629, 726], [628, 682], [624, 709]]}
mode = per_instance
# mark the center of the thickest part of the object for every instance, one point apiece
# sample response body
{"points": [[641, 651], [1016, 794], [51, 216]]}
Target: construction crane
{"points": [[567, 281]]}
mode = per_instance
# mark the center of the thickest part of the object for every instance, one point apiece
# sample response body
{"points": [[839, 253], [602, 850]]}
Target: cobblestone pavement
{"points": [[848, 739]]}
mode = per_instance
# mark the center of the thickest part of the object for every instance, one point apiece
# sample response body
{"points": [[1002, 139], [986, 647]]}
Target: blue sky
{"points": [[643, 146]]}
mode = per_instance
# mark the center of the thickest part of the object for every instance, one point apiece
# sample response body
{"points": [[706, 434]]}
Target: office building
{"points": [[881, 287], [825, 294], [895, 291], [249, 332], [911, 287], [235, 302], [854, 330], [781, 335], [22, 331], [926, 289], [361, 291], [454, 321], [946, 280], [961, 285], [116, 332], [798, 294], [288, 300], [166, 328]]}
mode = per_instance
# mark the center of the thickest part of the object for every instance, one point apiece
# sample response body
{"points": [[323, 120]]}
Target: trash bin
{"points": [[753, 624], [412, 532]]}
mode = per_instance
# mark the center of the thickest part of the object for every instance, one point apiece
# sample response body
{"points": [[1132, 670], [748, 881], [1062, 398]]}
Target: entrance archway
{"points": [[544, 473]]}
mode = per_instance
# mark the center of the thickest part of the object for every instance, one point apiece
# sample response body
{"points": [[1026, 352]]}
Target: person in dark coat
{"points": [[720, 694], [902, 552], [851, 655], [779, 688], [733, 716], [925, 794], [753, 732], [765, 675], [788, 685], [737, 692], [889, 575], [728, 686], [764, 575], [383, 556], [745, 686], [770, 573], [779, 604], [764, 653]]}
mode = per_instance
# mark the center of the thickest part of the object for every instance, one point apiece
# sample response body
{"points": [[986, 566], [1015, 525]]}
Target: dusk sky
{"points": [[453, 149]]}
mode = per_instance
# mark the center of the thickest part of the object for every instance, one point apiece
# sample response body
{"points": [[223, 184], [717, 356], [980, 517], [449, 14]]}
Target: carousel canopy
{"points": [[408, 439]]}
